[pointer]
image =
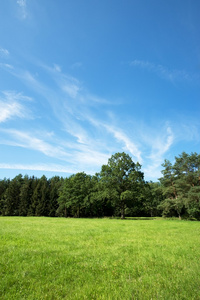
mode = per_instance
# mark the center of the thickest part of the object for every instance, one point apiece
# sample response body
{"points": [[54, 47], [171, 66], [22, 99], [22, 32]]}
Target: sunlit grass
{"points": [[54, 258]]}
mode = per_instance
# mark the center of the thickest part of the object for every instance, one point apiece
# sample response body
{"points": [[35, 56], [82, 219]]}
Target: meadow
{"points": [[57, 258]]}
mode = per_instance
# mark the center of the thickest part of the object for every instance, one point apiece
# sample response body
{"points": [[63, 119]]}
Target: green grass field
{"points": [[57, 258]]}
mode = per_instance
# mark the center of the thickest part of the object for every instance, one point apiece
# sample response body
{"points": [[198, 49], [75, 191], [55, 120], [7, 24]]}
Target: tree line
{"points": [[119, 189]]}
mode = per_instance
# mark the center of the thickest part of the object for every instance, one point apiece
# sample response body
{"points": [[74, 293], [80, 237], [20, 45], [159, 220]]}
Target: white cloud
{"points": [[28, 140], [8, 66], [39, 167], [78, 132], [91, 159], [60, 98], [70, 89], [187, 128], [9, 110], [128, 144], [67, 84], [153, 171], [73, 153], [76, 65], [4, 52], [21, 3], [162, 71], [12, 95], [11, 107], [57, 68], [89, 139], [160, 145], [23, 8], [42, 167], [142, 64], [75, 157]]}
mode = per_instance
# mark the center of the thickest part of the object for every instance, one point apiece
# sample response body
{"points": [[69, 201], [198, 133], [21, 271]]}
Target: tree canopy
{"points": [[122, 179], [181, 186], [119, 189]]}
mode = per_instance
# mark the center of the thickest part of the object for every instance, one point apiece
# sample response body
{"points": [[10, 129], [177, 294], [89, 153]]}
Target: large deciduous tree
{"points": [[121, 180]]}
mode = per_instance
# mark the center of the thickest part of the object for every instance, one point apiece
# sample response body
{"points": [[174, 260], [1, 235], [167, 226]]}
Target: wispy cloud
{"points": [[11, 107], [71, 89], [23, 8], [79, 113], [76, 65], [162, 71], [160, 145], [88, 134], [6, 66], [72, 154], [64, 98], [4, 52], [57, 68], [40, 167], [90, 160], [68, 84], [28, 140], [128, 145], [187, 128]]}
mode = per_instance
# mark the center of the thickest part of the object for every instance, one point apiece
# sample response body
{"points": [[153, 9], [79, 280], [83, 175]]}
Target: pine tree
{"points": [[55, 184], [25, 197], [181, 185], [3, 187], [12, 196], [42, 197]]}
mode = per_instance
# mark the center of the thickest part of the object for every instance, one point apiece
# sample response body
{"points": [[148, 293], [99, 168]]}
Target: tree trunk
{"points": [[122, 211], [65, 212], [175, 193]]}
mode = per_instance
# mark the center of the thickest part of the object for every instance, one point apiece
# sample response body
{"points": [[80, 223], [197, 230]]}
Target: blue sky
{"points": [[82, 80]]}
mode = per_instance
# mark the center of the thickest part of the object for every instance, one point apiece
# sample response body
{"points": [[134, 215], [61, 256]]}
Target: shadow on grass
{"points": [[134, 218]]}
